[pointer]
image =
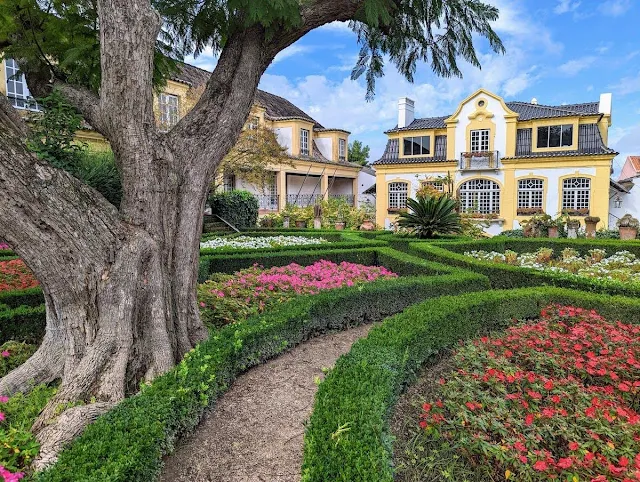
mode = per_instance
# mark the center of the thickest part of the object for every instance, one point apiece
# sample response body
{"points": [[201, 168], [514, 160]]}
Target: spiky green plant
{"points": [[428, 216]]}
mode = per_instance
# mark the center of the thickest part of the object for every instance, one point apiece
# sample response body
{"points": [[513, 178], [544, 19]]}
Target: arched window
{"points": [[576, 192], [530, 193], [480, 196], [398, 195]]}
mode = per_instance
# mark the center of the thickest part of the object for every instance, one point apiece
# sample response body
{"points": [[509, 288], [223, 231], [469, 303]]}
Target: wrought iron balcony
{"points": [[348, 198], [479, 161], [303, 200], [268, 202]]}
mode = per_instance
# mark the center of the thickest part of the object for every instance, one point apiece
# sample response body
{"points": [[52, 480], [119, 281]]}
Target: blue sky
{"points": [[558, 51]]}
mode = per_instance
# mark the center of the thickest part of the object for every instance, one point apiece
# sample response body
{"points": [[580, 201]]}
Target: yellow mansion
{"points": [[320, 168], [505, 160]]}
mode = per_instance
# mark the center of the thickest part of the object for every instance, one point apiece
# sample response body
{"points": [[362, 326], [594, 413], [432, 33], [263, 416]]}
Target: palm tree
{"points": [[431, 215]]}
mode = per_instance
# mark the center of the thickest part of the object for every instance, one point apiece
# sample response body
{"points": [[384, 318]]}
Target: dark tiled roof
{"points": [[277, 108], [617, 186], [589, 144], [392, 156], [526, 110], [424, 123]]}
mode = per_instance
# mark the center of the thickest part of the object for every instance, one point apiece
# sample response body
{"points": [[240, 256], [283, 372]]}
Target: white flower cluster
{"points": [[258, 242], [621, 266]]}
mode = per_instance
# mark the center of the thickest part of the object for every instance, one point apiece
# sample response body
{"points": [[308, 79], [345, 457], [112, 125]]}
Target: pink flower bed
{"points": [[227, 299]]}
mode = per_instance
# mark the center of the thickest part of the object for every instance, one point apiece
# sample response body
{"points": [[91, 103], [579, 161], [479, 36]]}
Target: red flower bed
{"points": [[556, 399], [14, 275]]}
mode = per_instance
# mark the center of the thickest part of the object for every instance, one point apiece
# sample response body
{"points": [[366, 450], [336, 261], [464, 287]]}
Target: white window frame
{"points": [[413, 140], [253, 123], [576, 193], [229, 182], [169, 105], [530, 193], [480, 140], [15, 78], [398, 194], [481, 196], [342, 149], [304, 142], [436, 185]]}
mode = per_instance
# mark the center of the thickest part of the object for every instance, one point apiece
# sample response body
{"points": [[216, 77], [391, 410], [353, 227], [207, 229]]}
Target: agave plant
{"points": [[430, 215]]}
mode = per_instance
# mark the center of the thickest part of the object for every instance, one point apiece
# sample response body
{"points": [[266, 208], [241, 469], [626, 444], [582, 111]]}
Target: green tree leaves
{"points": [[358, 153]]}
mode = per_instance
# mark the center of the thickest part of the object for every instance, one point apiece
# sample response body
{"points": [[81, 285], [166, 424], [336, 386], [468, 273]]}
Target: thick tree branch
{"points": [[86, 102], [10, 118]]}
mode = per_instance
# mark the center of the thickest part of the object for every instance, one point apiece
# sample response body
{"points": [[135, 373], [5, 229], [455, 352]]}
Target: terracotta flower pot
{"points": [[367, 226], [590, 229], [340, 226], [301, 224], [553, 232], [627, 233]]}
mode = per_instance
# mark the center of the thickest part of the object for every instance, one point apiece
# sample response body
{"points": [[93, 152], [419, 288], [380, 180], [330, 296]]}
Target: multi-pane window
{"points": [[229, 182], [576, 192], [530, 193], [480, 140], [269, 199], [17, 90], [304, 142], [480, 196], [253, 122], [435, 185], [342, 149], [417, 146], [169, 109], [555, 136], [398, 195]]}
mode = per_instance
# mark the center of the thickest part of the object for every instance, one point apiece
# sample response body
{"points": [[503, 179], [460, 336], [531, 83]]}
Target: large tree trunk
{"points": [[120, 286]]}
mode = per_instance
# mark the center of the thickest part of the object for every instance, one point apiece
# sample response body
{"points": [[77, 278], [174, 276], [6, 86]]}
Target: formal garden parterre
{"points": [[347, 280]]}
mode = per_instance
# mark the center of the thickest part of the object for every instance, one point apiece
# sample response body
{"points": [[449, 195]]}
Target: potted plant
{"points": [[553, 229], [572, 228], [528, 211], [590, 225], [340, 224], [628, 227]]}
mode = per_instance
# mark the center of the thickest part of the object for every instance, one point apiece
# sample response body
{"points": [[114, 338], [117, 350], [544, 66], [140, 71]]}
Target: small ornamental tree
{"points": [[120, 283], [358, 153]]}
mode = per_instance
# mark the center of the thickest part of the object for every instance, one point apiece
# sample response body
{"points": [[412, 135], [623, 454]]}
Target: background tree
{"points": [[254, 155], [127, 310], [358, 153]]}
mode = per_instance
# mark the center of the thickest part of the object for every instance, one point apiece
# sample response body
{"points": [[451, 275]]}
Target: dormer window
{"points": [[304, 142], [169, 108], [417, 146], [253, 123], [342, 149], [555, 136]]}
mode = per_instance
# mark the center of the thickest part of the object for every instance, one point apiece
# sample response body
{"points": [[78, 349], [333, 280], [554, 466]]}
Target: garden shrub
{"points": [[28, 297], [25, 324], [240, 208], [347, 438], [127, 443], [13, 354]]}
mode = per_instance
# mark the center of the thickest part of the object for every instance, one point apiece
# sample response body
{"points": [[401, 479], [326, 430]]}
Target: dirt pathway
{"points": [[255, 431]]}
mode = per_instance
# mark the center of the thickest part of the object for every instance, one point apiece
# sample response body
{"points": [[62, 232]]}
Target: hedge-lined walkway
{"points": [[255, 431]]}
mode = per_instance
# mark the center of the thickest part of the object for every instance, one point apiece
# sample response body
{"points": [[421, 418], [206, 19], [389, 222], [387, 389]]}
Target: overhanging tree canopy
{"points": [[119, 284]]}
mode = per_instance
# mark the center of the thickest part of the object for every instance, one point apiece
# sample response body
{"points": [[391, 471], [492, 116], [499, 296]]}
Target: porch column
{"points": [[324, 186], [281, 189], [354, 191]]}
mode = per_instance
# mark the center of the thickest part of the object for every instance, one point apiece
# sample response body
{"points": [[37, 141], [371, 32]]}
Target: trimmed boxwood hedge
{"points": [[398, 262], [504, 276], [127, 443], [25, 323], [347, 438], [28, 297]]}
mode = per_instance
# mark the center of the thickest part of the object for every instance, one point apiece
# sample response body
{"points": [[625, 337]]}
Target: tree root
{"points": [[64, 429], [44, 366]]}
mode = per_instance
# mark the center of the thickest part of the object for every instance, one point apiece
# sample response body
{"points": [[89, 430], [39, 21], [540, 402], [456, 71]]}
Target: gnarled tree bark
{"points": [[120, 285]]}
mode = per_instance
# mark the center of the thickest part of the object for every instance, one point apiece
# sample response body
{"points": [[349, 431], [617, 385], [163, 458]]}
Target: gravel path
{"points": [[255, 431]]}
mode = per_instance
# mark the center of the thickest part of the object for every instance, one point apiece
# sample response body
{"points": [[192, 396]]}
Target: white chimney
{"points": [[605, 104], [534, 101], [405, 112]]}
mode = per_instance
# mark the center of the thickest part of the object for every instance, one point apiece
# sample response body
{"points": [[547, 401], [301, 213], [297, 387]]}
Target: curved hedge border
{"points": [[127, 443], [504, 276], [25, 324], [347, 438]]}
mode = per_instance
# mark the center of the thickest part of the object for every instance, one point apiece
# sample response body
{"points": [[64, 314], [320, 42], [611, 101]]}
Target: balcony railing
{"points": [[479, 161], [348, 198], [268, 202], [303, 200]]}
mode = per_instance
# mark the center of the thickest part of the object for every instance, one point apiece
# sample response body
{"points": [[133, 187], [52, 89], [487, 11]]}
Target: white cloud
{"points": [[575, 66], [627, 85], [625, 140], [292, 51], [207, 60], [614, 8], [339, 27], [565, 6]]}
